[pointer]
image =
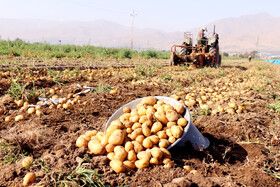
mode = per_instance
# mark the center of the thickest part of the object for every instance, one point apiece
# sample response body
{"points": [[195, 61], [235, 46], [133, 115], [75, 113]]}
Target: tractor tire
{"points": [[220, 60]]}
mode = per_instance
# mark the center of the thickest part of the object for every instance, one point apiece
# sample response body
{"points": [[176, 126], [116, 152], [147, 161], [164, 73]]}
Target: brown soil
{"points": [[241, 152]]}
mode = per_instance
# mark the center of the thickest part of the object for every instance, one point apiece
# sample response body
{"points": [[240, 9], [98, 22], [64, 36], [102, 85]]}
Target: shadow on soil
{"points": [[239, 67], [220, 150]]}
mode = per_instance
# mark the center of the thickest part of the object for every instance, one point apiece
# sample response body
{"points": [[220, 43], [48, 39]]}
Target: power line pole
{"points": [[132, 29]]}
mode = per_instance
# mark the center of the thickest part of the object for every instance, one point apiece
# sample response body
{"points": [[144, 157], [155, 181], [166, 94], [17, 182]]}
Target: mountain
{"points": [[246, 33]]}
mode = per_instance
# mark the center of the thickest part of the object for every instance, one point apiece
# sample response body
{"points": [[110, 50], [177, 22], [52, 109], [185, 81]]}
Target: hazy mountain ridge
{"points": [[247, 33]]}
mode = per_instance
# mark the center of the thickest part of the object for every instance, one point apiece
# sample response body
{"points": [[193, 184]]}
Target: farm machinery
{"points": [[204, 53]]}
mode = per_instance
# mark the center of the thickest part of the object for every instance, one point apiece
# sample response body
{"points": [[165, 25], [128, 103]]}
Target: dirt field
{"points": [[244, 149]]}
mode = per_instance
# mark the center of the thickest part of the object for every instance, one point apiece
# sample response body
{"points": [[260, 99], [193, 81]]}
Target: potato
{"points": [[128, 164], [86, 137], [150, 110], [166, 153], [154, 161], [111, 155], [182, 122], [100, 135], [168, 132], [137, 147], [144, 155], [8, 119], [117, 137], [187, 168], [154, 139], [169, 164], [134, 112], [2, 111], [167, 107], [126, 110], [140, 139], [29, 178], [149, 100], [129, 130], [157, 126], [162, 134], [19, 117], [96, 148], [134, 118], [172, 115], [91, 133], [147, 123], [160, 102], [117, 166], [143, 119], [147, 143], [112, 128], [104, 140], [31, 110], [26, 162], [166, 160], [176, 131], [128, 124], [136, 133], [109, 148], [160, 109], [150, 116], [146, 131], [180, 109], [120, 153], [157, 152], [81, 142], [128, 146], [161, 117], [124, 117], [136, 126], [140, 164], [163, 143], [95, 139], [142, 111], [131, 156], [171, 139]]}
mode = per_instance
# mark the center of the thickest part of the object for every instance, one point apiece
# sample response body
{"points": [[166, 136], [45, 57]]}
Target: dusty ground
{"points": [[244, 149]]}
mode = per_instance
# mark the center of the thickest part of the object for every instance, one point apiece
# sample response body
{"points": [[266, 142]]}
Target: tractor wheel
{"points": [[219, 61]]}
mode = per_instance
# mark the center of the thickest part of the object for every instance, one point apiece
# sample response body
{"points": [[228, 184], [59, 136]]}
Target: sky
{"points": [[166, 15]]}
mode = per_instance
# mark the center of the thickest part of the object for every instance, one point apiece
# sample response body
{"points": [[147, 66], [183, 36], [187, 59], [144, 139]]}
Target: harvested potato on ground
{"points": [[29, 178], [154, 161], [128, 164], [110, 148], [111, 155], [157, 152], [163, 143], [96, 148], [117, 166], [112, 128], [117, 137], [162, 134], [166, 153], [131, 156], [147, 143], [26, 162], [128, 146], [137, 147], [91, 133], [140, 139], [140, 164], [146, 131], [120, 153], [154, 139], [81, 142]]}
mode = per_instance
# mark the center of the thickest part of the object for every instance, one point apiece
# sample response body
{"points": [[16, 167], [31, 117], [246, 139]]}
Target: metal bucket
{"points": [[191, 133]]}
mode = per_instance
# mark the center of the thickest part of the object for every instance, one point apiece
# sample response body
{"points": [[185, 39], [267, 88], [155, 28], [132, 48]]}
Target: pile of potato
{"points": [[139, 137]]}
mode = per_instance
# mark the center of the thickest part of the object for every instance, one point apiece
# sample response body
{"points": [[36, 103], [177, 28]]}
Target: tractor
{"points": [[204, 53]]}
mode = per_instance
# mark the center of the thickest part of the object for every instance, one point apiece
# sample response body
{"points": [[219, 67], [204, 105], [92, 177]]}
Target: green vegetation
{"points": [[275, 107], [10, 152], [19, 48]]}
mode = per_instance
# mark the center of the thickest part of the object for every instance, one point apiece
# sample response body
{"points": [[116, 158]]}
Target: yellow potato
{"points": [[166, 153], [172, 115], [131, 156], [140, 138], [167, 107], [146, 131], [29, 178], [120, 153], [128, 124], [142, 111], [182, 122], [104, 140], [147, 123], [81, 142], [180, 109], [150, 116], [117, 137], [144, 155], [126, 110], [112, 128], [140, 164], [109, 148], [160, 102], [96, 148], [157, 153], [134, 112], [129, 130], [147, 143], [134, 118], [136, 133], [154, 161], [136, 126], [171, 139], [137, 147], [176, 131], [163, 143], [100, 135], [26, 162], [149, 100], [91, 133], [168, 132], [128, 164], [128, 146], [143, 119], [111, 155], [117, 166], [162, 134], [150, 110], [161, 117], [154, 139], [157, 126], [166, 160]]}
